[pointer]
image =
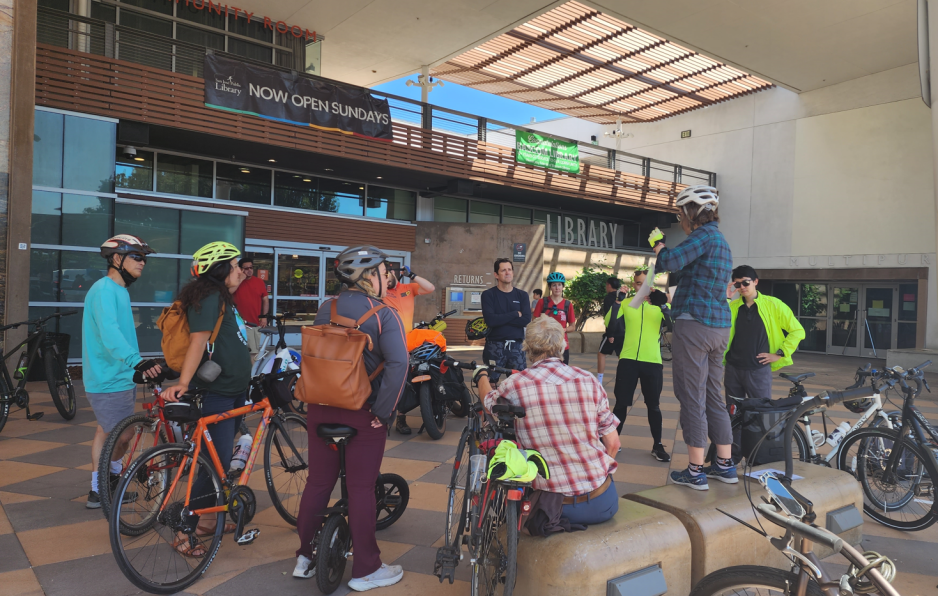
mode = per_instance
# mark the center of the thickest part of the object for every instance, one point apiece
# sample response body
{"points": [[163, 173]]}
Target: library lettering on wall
{"points": [[590, 232]]}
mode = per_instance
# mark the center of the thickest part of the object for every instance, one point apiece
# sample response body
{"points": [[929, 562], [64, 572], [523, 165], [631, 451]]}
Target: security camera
{"points": [[130, 151]]}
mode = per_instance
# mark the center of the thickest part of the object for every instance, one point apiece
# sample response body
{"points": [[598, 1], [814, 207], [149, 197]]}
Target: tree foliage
{"points": [[586, 291]]}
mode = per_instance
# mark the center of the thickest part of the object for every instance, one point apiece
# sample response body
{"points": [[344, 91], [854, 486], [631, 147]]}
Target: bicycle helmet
{"points": [[426, 351], [556, 277], [352, 263], [700, 194], [476, 329], [210, 254], [858, 406], [124, 244]]}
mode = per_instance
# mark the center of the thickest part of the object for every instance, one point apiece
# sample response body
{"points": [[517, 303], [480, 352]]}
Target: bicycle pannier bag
{"points": [[332, 366], [758, 416], [174, 324]]}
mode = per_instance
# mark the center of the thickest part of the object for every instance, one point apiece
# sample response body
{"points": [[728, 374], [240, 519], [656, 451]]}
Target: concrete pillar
{"points": [[17, 104], [932, 308]]}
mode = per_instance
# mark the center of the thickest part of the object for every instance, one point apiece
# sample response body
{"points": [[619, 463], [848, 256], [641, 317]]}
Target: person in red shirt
{"points": [[401, 298], [555, 307], [251, 297]]}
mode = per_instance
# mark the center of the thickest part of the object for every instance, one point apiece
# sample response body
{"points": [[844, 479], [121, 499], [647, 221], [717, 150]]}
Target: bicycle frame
{"points": [[40, 336], [876, 409], [915, 424]]}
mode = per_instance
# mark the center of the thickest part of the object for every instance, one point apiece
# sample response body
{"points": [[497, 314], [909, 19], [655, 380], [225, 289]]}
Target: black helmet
{"points": [[352, 263], [125, 244], [858, 406]]}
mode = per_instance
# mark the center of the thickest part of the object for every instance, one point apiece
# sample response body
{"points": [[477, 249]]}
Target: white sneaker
{"points": [[386, 575], [304, 568]]}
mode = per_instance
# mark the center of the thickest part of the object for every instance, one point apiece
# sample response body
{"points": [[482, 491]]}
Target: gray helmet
{"points": [[352, 263]]}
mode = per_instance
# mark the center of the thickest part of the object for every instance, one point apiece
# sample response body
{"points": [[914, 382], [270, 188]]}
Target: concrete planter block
{"points": [[582, 562], [718, 541], [909, 358], [576, 342], [591, 341]]}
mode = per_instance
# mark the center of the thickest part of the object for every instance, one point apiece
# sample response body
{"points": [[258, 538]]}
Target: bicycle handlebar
{"points": [[802, 529], [450, 313]]}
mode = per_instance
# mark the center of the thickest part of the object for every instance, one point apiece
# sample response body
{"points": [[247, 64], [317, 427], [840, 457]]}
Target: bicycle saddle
{"points": [[268, 330], [796, 378], [335, 431]]}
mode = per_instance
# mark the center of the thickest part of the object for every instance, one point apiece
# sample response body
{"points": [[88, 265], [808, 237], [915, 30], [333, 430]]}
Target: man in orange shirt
{"points": [[401, 298]]}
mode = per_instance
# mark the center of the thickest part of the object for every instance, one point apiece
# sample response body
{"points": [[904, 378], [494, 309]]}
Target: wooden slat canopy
{"points": [[578, 61], [81, 82]]}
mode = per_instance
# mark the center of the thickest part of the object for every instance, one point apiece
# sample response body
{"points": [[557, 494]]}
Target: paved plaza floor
{"points": [[51, 544]]}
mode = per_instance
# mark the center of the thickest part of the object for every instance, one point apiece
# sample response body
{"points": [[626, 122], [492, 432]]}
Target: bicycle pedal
{"points": [[248, 537], [35, 417], [445, 565]]}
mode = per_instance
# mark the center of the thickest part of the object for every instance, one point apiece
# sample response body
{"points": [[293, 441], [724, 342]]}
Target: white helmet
{"points": [[700, 194]]}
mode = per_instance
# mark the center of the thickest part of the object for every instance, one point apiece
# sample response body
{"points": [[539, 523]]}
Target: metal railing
{"points": [[102, 38]]}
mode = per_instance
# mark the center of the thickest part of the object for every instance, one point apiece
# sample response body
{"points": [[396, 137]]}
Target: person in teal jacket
{"points": [[758, 344], [109, 352], [640, 358]]}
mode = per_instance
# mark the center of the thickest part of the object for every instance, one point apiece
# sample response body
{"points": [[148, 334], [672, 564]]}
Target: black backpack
{"points": [[565, 305], [758, 416]]}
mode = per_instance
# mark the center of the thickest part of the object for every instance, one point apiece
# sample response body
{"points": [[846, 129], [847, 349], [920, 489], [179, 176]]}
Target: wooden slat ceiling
{"points": [[580, 62]]}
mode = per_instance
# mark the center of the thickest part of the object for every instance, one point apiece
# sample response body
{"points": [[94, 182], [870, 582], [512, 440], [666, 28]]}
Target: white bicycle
{"points": [[270, 351]]}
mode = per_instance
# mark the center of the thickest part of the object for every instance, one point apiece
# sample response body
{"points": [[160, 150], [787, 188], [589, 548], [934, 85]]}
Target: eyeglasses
{"points": [[137, 257], [247, 269], [742, 284]]}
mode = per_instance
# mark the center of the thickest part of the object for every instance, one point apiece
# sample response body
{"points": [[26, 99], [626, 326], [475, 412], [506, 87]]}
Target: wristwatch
{"points": [[779, 352]]}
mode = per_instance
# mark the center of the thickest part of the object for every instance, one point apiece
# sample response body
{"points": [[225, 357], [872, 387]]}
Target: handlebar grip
{"points": [[463, 365], [837, 397], [815, 535], [450, 313]]}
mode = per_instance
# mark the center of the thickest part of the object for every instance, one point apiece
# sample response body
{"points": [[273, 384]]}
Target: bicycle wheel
{"points": [[286, 464], [331, 553], [666, 346], [148, 532], [496, 567], [457, 491], [752, 580], [60, 384], [391, 497], [145, 433], [433, 412], [903, 498], [4, 404]]}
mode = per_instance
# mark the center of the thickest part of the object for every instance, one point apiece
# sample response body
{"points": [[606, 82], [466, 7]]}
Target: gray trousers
{"points": [[697, 369], [748, 383]]}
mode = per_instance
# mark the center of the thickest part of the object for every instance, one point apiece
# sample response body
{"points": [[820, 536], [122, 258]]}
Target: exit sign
{"points": [[685, 134]]}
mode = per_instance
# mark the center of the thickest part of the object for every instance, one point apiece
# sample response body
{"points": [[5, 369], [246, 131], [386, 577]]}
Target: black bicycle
{"points": [[40, 344], [897, 467]]}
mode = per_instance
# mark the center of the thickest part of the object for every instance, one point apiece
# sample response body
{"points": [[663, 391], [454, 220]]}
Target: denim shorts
{"points": [[111, 408]]}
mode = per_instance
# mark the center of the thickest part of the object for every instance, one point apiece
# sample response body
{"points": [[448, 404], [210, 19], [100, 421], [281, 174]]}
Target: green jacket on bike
{"points": [[777, 317], [642, 330]]}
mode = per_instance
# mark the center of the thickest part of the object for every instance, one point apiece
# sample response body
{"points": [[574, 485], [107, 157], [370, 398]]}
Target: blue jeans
{"points": [[223, 434], [594, 511]]}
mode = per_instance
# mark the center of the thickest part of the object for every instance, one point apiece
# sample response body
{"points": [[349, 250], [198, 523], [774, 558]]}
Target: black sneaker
{"points": [[94, 502], [659, 453], [129, 496], [402, 425]]}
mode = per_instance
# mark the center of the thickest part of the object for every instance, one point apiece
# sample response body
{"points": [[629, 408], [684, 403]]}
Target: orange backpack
{"points": [[174, 323]]}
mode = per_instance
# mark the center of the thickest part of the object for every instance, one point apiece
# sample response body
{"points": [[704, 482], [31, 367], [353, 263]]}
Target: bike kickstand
{"points": [[33, 417]]}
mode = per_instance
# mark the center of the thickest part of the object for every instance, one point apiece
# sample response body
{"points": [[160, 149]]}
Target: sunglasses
{"points": [[248, 268], [136, 257], [742, 284]]}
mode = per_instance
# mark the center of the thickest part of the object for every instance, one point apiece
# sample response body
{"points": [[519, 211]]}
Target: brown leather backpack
{"points": [[332, 369]]}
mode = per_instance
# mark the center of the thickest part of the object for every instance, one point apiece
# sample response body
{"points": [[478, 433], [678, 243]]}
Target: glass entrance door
{"points": [[879, 320], [845, 314], [298, 283]]}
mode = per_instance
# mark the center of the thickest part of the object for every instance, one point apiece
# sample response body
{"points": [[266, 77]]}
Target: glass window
{"points": [[200, 36], [44, 275], [56, 4], [251, 51], [252, 28], [136, 172], [515, 215], [89, 154], [314, 57], [551, 223], [158, 282], [296, 190], [158, 226], [70, 325], [908, 303], [815, 339], [814, 300], [206, 14], [298, 275], [480, 212], [300, 310], [787, 293], [149, 336], [160, 6], [47, 149], [102, 12], [200, 227], [179, 175], [246, 184], [906, 336], [79, 270], [341, 197], [264, 270], [449, 209], [390, 203], [86, 221], [46, 218], [333, 285]]}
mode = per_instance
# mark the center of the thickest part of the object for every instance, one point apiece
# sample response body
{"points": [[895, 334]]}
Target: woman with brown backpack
{"points": [[377, 373]]}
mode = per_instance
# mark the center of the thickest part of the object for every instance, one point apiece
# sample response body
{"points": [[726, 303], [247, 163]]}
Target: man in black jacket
{"points": [[507, 311]]}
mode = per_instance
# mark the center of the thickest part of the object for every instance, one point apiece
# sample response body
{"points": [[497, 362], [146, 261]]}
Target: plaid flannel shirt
{"points": [[706, 264], [566, 413]]}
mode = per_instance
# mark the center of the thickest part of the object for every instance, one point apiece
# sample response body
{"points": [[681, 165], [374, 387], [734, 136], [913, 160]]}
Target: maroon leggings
{"points": [[363, 456]]}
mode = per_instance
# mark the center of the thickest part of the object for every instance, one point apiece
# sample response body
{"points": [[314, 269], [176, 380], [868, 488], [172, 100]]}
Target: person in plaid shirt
{"points": [[568, 420], [701, 332]]}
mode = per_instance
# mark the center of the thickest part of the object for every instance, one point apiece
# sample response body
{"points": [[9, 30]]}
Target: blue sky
{"points": [[471, 101]]}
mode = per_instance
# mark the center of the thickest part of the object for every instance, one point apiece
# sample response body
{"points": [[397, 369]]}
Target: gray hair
{"points": [[544, 338]]}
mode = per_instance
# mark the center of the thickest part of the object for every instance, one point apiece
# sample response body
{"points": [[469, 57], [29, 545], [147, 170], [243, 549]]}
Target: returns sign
{"points": [[238, 87]]}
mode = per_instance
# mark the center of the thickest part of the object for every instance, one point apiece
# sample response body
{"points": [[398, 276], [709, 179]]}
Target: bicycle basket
{"points": [[182, 411], [758, 416], [476, 329]]}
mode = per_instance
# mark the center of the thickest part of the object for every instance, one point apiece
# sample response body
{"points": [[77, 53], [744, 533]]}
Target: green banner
{"points": [[538, 150]]}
